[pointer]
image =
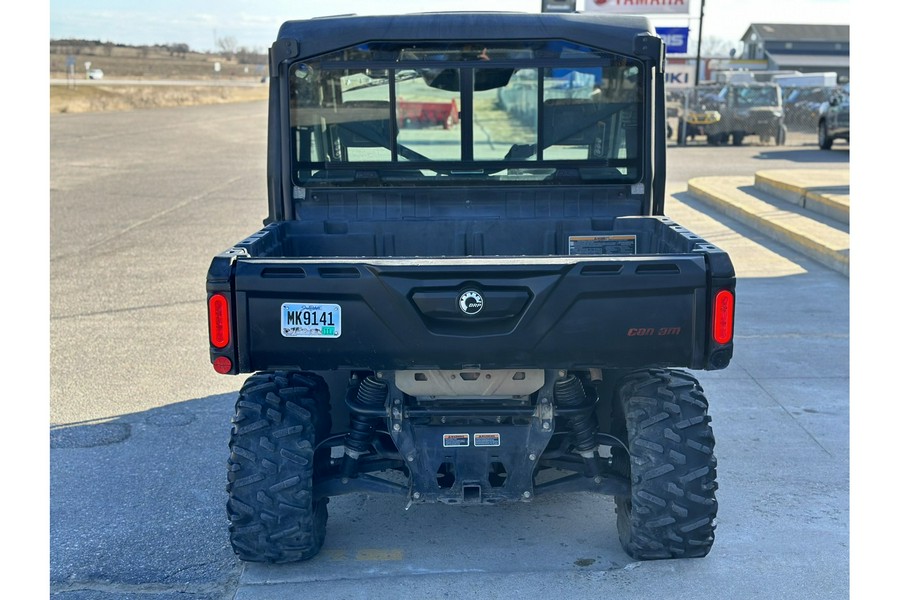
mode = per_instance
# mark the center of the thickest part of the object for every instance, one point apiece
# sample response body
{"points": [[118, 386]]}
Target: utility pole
{"points": [[699, 43]]}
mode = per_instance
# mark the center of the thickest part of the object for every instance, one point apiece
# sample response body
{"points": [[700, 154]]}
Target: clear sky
{"points": [[253, 24]]}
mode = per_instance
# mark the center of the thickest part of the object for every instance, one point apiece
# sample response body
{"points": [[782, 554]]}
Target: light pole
{"points": [[699, 43]]}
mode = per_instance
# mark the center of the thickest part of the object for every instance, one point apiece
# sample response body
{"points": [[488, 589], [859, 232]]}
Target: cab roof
{"points": [[615, 33]]}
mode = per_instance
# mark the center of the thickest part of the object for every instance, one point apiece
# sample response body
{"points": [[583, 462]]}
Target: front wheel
{"points": [[278, 418], [781, 135], [671, 511]]}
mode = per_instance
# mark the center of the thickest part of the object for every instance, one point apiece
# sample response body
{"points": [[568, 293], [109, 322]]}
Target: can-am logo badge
{"points": [[471, 302]]}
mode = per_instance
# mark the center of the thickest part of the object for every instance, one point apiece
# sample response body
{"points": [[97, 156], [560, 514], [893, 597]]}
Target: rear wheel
{"points": [[825, 142], [671, 511], [718, 139], [681, 134], [278, 418]]}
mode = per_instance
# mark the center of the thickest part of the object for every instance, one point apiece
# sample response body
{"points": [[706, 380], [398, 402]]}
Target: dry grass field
{"points": [[93, 98], [155, 64]]}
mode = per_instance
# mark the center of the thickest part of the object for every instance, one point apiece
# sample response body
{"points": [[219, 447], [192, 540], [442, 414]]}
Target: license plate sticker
{"points": [[311, 320]]}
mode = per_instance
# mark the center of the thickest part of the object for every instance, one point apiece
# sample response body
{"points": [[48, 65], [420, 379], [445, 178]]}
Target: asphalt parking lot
{"points": [[139, 421]]}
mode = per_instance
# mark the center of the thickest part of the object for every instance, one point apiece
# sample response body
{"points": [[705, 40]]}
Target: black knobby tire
{"points": [[825, 142], [278, 418], [718, 139], [781, 135], [671, 511]]}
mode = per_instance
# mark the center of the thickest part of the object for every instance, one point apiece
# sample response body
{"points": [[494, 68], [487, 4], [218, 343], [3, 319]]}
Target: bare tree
{"points": [[250, 56], [227, 45], [716, 47]]}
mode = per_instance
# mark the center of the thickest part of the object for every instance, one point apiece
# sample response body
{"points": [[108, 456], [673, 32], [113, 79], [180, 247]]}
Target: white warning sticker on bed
{"points": [[601, 245], [456, 440], [486, 439]]}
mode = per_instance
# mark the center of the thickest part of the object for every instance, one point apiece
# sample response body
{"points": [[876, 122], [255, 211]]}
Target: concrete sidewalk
{"points": [[806, 209]]}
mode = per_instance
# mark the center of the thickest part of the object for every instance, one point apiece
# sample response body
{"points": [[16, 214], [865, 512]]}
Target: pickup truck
{"points": [[476, 314], [834, 118]]}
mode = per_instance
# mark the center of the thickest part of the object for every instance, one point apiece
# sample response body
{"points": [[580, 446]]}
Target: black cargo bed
{"points": [[632, 288]]}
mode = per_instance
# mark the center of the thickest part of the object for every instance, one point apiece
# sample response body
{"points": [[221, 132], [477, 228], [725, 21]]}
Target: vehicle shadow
{"points": [[806, 155], [138, 500]]}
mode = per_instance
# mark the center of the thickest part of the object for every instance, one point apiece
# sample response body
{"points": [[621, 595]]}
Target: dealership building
{"points": [[804, 48]]}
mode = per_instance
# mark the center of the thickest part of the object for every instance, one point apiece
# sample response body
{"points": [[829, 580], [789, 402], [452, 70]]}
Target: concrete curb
{"points": [[823, 191], [822, 239]]}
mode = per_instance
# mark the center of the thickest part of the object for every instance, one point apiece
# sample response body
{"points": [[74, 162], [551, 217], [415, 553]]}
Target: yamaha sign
{"points": [[638, 7]]}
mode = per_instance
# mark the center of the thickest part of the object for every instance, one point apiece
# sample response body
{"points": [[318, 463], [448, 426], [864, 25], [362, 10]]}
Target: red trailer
{"points": [[423, 114]]}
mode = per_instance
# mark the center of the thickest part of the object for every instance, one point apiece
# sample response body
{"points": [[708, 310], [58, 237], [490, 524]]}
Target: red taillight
{"points": [[723, 317], [219, 332], [222, 364]]}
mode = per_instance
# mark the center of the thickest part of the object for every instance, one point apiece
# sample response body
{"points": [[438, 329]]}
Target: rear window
{"points": [[546, 111]]}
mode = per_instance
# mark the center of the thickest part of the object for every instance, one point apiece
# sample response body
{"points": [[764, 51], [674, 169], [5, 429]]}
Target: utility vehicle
{"points": [[734, 111], [477, 312]]}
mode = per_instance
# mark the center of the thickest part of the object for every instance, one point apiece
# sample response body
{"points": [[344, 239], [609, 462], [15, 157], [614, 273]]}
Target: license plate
{"points": [[311, 320]]}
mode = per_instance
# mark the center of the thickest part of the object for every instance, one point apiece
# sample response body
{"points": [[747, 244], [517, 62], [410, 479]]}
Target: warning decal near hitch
{"points": [[487, 439], [456, 440]]}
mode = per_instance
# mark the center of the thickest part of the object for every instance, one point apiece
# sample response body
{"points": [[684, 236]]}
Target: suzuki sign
{"points": [[679, 76], [638, 7]]}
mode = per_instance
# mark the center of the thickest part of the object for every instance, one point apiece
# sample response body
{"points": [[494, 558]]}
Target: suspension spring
{"points": [[371, 393], [569, 393]]}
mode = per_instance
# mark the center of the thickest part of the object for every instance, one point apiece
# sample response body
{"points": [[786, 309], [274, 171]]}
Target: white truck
{"points": [[828, 79]]}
